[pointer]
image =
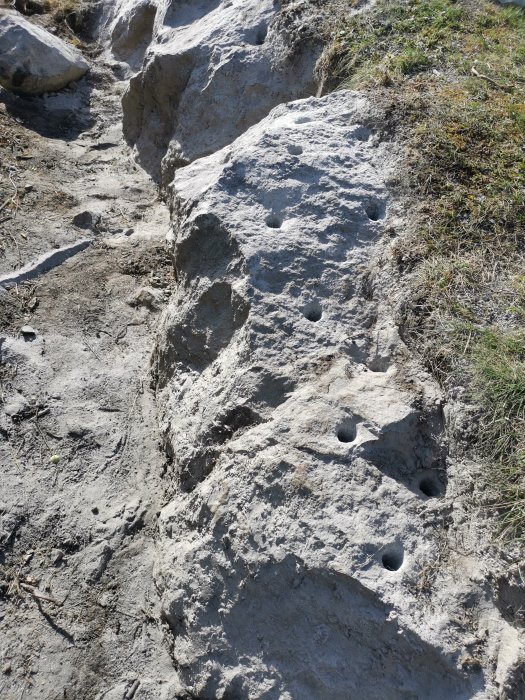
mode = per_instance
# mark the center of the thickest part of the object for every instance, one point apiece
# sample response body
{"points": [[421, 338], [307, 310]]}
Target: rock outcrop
{"points": [[33, 61], [308, 457], [302, 529], [211, 69]]}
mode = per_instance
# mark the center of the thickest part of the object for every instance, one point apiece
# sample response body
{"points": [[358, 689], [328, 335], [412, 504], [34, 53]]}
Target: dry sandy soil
{"points": [[76, 411]]}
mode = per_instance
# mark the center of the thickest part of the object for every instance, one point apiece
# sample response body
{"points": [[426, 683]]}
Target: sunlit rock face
{"points": [[206, 71], [34, 61], [303, 466]]}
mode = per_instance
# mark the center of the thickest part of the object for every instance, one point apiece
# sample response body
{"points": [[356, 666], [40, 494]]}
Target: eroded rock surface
{"points": [[309, 475], [212, 69], [309, 535], [32, 60]]}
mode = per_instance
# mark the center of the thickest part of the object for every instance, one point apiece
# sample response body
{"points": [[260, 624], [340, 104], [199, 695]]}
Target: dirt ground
{"points": [[78, 505]]}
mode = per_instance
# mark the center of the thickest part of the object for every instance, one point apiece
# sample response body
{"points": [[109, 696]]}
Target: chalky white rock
{"points": [[306, 467], [34, 61]]}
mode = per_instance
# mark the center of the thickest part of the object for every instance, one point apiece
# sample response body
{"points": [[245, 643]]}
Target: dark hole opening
{"points": [[373, 210], [392, 560], [429, 487], [347, 432], [273, 221], [313, 311]]}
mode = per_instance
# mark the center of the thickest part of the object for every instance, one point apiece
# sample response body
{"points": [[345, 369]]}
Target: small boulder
{"points": [[33, 61], [87, 219], [148, 297], [28, 333]]}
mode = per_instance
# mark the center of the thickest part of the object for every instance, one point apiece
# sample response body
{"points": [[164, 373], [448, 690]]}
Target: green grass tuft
{"points": [[450, 76]]}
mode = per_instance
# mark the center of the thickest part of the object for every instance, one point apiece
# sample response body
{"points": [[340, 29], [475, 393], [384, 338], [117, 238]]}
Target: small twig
{"points": [[490, 80], [41, 432], [467, 343], [120, 612], [94, 353], [37, 594], [12, 198], [14, 457], [7, 201]]}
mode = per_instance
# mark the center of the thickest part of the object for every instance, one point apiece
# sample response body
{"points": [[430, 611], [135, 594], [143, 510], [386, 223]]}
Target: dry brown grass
{"points": [[450, 75]]}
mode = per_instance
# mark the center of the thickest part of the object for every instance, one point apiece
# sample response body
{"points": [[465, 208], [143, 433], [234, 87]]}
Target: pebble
{"points": [[28, 331]]}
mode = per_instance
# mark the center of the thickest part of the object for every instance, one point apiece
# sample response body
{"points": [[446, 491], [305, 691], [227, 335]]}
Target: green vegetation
{"points": [[499, 365], [449, 77]]}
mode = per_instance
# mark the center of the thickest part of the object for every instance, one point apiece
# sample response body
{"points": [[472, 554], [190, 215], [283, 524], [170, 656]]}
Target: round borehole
{"points": [[373, 210], [294, 149], [362, 133], [430, 487], [347, 431], [261, 35], [392, 559], [313, 311], [379, 364], [274, 221], [303, 120]]}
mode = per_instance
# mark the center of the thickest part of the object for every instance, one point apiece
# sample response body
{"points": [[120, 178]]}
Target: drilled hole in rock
{"points": [[379, 364], [313, 311], [274, 221], [294, 150], [347, 431], [373, 210], [303, 120], [392, 560], [262, 33], [430, 487], [362, 133]]}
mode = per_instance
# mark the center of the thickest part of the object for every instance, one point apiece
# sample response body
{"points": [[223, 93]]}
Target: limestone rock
{"points": [[210, 71], [305, 467], [33, 61]]}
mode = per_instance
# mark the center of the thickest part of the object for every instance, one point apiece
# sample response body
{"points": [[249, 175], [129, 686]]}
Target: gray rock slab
{"points": [[34, 61]]}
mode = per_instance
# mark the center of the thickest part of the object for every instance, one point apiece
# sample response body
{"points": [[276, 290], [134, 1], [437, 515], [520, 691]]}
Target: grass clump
{"points": [[450, 78], [67, 12], [499, 366]]}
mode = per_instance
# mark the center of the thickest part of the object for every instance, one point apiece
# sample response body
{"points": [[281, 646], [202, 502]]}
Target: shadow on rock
{"points": [[319, 634], [62, 115]]}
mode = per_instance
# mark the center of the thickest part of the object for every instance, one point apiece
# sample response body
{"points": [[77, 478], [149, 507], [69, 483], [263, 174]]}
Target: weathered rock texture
{"points": [[212, 70], [33, 61], [309, 463], [312, 535]]}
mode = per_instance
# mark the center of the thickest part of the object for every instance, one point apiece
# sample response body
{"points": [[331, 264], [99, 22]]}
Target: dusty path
{"points": [[77, 534]]}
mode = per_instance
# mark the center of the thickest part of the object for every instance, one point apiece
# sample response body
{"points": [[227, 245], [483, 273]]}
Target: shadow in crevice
{"points": [[186, 12], [133, 33], [410, 452], [54, 625], [206, 450]]}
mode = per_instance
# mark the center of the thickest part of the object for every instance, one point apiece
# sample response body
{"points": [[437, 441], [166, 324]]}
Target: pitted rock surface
{"points": [[305, 470], [211, 69]]}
